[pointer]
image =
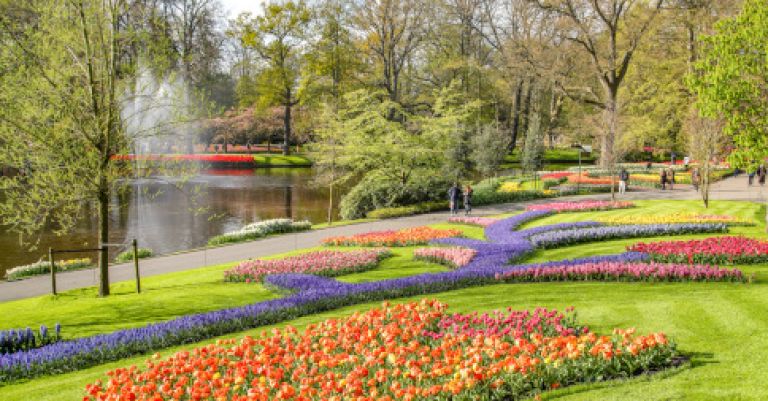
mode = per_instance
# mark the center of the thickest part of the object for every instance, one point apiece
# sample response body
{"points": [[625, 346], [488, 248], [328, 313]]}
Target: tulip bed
{"points": [[406, 237], [574, 236], [676, 218], [312, 294], [324, 263], [454, 257], [399, 352], [619, 271], [473, 221], [715, 250], [580, 206]]}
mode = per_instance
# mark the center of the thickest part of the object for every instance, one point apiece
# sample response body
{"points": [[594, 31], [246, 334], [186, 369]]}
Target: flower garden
{"points": [[601, 258]]}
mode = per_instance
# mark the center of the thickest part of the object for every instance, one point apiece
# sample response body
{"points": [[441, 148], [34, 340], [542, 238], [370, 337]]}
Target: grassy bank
{"points": [[720, 325]]}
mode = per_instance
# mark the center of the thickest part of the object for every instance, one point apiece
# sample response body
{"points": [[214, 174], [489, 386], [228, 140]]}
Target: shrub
{"points": [[400, 211], [375, 192], [44, 267], [259, 230], [127, 256]]}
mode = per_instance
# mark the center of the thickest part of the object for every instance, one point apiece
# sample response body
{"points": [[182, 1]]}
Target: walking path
{"points": [[734, 188]]}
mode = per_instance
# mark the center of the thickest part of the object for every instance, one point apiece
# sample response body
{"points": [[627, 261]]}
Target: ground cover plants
{"points": [[324, 263], [127, 256], [403, 352], [715, 250], [260, 229], [44, 267]]}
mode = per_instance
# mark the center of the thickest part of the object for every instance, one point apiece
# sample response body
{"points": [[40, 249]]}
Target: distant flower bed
{"points": [[586, 179], [715, 250], [261, 229], [196, 157], [15, 340], [676, 218], [553, 239], [383, 354], [473, 221], [44, 267], [580, 206], [323, 263], [618, 271], [559, 175], [406, 237], [509, 186], [518, 324], [454, 257]]}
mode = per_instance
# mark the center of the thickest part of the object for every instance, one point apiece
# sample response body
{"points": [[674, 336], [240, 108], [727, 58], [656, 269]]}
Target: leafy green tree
{"points": [[278, 37], [489, 147], [60, 124], [730, 81]]}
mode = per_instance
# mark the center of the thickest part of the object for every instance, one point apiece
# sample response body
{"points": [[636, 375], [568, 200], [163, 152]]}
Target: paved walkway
{"points": [[734, 188]]}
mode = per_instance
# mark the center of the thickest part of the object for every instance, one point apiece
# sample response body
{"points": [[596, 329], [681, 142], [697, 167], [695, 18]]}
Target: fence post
{"points": [[136, 265], [53, 271]]}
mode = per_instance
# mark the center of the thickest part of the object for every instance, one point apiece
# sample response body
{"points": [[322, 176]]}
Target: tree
{"points": [[60, 117], [489, 147], [393, 31], [608, 33], [730, 81], [707, 143], [278, 37]]}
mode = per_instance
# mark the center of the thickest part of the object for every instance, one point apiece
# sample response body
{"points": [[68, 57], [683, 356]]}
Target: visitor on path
{"points": [[751, 177], [761, 173], [453, 197], [663, 178], [623, 180], [468, 200], [695, 178], [671, 179]]}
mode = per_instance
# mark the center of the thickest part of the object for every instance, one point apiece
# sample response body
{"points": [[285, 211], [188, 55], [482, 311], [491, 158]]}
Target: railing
{"points": [[103, 248]]}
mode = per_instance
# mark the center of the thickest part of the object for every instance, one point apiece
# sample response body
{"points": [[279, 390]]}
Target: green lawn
{"points": [[721, 326], [277, 160]]}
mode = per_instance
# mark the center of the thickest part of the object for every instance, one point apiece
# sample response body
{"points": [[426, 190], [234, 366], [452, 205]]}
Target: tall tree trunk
{"points": [[103, 198], [608, 145], [287, 129], [330, 204], [516, 115], [526, 113]]}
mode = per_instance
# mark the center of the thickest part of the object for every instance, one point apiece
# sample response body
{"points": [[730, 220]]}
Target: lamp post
{"points": [[581, 148]]}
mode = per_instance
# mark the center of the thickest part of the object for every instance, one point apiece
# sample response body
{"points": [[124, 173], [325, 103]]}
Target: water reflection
{"points": [[170, 219]]}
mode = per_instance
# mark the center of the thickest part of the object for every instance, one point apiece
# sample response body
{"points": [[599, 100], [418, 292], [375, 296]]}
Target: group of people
{"points": [[667, 178], [455, 193], [760, 173]]}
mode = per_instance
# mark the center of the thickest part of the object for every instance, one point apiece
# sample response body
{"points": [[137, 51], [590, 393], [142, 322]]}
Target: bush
{"points": [[423, 207], [375, 191], [259, 230], [127, 256], [43, 267]]}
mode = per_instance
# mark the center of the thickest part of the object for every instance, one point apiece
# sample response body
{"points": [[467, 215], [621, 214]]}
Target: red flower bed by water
{"points": [[719, 250]]}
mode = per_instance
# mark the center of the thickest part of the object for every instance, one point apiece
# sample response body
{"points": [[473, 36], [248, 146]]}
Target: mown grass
{"points": [[276, 160], [720, 326]]}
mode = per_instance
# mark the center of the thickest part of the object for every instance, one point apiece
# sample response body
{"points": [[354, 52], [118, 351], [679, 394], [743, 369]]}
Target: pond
{"points": [[167, 219]]}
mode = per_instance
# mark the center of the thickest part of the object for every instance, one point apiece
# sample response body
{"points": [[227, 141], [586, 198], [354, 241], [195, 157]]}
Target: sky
{"points": [[235, 7]]}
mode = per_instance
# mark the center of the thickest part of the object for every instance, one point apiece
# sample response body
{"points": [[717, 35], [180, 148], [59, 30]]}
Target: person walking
{"points": [[762, 171], [623, 181], [468, 200], [671, 179], [695, 178], [663, 178], [453, 197], [751, 177]]}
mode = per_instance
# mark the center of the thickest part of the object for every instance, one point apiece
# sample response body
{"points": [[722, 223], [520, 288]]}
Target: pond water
{"points": [[167, 219]]}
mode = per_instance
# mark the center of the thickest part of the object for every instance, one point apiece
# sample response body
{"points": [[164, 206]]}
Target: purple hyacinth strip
{"points": [[527, 233], [558, 238]]}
